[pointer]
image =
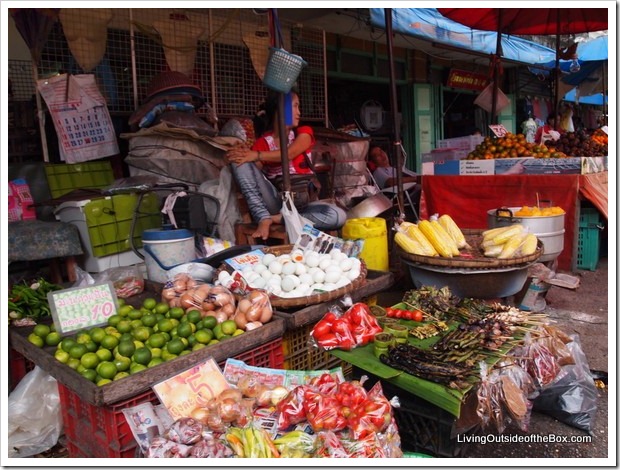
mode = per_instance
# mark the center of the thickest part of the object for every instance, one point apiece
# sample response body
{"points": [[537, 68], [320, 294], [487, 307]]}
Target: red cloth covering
{"points": [[468, 198]]}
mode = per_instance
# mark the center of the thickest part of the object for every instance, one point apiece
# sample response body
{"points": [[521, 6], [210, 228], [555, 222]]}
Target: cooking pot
{"points": [[549, 229], [370, 207]]}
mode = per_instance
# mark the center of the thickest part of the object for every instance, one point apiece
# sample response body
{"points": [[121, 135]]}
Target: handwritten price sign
{"points": [[81, 307], [498, 129]]}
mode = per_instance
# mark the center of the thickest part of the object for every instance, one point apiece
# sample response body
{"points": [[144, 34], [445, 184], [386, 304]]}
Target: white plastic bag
{"points": [[293, 221], [35, 418]]}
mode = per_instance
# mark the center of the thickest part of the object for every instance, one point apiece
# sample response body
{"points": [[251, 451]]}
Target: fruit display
{"points": [[581, 144], [536, 211], [511, 146]]}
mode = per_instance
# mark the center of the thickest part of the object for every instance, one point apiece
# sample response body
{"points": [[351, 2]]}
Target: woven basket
{"points": [[282, 70], [286, 303], [477, 261]]}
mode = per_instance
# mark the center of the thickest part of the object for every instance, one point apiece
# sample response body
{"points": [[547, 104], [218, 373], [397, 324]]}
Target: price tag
{"points": [[82, 307], [498, 129]]}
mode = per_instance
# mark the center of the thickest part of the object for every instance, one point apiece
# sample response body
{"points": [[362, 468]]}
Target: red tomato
{"points": [[329, 317], [407, 314], [346, 343], [321, 328], [418, 316], [341, 326], [328, 340], [389, 311], [357, 313]]}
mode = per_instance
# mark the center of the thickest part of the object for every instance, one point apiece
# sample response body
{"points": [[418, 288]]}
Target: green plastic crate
{"points": [[589, 241], [105, 223], [64, 178]]}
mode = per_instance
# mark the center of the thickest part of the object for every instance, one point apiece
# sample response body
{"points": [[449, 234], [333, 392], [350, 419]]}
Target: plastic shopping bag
{"points": [[293, 221]]}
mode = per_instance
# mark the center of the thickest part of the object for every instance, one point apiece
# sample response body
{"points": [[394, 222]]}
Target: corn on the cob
{"points": [[405, 225], [489, 243], [508, 234], [528, 246], [409, 245], [512, 245], [493, 251], [413, 231], [493, 232], [453, 230], [446, 236], [435, 238]]}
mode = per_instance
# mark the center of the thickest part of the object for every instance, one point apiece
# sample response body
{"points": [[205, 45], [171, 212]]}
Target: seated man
{"points": [[385, 174]]}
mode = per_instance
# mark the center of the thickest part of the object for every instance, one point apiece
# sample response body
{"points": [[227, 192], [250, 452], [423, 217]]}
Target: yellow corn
{"points": [[446, 236], [453, 230], [409, 245], [435, 238], [493, 251], [528, 246], [508, 234], [405, 225], [493, 232], [489, 243], [413, 232], [512, 245]]}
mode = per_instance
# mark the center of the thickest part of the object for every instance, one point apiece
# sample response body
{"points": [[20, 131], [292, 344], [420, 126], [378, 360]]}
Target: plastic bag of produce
{"points": [[35, 419], [571, 397]]}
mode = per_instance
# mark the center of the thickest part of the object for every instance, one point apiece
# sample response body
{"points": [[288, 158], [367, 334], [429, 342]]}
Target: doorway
{"points": [[460, 116]]}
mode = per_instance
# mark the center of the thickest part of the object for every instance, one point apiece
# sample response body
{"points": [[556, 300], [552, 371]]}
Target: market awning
{"points": [[428, 23]]}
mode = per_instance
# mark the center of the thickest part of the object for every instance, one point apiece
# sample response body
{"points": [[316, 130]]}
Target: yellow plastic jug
{"points": [[373, 230]]}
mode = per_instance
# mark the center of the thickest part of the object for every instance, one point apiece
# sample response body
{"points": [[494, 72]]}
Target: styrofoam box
{"points": [[464, 167], [468, 142], [442, 155]]}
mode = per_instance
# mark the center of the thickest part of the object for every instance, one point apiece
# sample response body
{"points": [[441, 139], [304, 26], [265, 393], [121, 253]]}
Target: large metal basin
{"points": [[471, 283]]}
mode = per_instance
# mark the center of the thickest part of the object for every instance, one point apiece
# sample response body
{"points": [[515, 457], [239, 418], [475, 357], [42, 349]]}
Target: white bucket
{"points": [[164, 249]]}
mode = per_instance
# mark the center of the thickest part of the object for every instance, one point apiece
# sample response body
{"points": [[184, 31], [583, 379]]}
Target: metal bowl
{"points": [[370, 207], [471, 283]]}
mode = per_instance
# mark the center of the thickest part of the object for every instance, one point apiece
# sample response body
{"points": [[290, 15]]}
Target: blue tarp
{"points": [[592, 99], [428, 23]]}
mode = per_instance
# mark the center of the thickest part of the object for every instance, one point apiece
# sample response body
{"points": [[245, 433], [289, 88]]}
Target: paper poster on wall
{"points": [[81, 117], [82, 307]]}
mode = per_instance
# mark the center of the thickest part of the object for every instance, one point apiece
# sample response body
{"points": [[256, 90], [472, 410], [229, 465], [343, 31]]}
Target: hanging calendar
{"points": [[81, 117]]}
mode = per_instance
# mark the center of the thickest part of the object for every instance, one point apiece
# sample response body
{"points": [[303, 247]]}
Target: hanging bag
{"points": [[293, 221]]}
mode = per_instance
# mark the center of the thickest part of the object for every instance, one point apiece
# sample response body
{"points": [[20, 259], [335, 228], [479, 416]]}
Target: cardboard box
{"points": [[468, 142]]}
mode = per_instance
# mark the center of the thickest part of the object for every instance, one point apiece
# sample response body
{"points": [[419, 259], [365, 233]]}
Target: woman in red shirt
{"points": [[256, 169]]}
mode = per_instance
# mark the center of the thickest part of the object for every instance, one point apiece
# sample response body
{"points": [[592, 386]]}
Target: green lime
{"points": [[217, 331], [62, 356], [212, 342], [156, 340], [149, 320], [126, 337], [83, 337], [238, 332], [194, 316], [225, 337], [80, 369], [109, 342], [53, 339], [110, 330], [124, 310], [200, 325], [120, 375], [176, 312], [155, 352], [91, 346], [166, 356], [209, 321], [161, 307], [142, 333], [175, 346], [73, 363], [126, 348], [106, 369], [97, 334], [36, 340], [90, 360], [104, 354], [229, 327], [67, 343], [138, 344], [89, 374], [198, 346], [185, 352], [165, 325], [102, 382], [41, 330], [204, 336], [135, 368], [78, 351], [114, 320], [155, 362], [135, 314], [142, 356], [136, 324], [124, 326], [184, 330], [120, 302], [122, 363], [149, 303]]}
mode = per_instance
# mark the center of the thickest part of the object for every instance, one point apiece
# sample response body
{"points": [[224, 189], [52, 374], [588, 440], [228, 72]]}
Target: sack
{"points": [[35, 418], [293, 222], [303, 187]]}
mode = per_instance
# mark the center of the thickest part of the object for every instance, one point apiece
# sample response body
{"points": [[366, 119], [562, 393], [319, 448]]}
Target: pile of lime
{"points": [[134, 339]]}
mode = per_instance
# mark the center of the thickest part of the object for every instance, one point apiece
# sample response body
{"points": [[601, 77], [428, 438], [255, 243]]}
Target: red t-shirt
{"points": [[297, 165]]}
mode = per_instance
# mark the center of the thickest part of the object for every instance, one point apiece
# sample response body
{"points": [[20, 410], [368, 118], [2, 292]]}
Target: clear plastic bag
{"points": [[35, 418], [127, 280]]}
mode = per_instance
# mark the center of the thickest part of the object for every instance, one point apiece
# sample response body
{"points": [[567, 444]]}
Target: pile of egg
{"points": [[299, 274]]}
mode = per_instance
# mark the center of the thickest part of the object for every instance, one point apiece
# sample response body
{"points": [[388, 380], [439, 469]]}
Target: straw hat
{"points": [[179, 38], [86, 30]]}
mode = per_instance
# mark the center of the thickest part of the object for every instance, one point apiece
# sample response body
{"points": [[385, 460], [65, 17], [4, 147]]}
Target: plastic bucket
{"points": [[373, 230], [164, 249]]}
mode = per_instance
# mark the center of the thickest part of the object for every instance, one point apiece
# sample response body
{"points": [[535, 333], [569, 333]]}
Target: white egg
{"points": [[346, 264], [324, 263], [313, 269], [266, 274], [284, 258], [312, 259], [289, 268], [258, 282], [357, 264], [331, 277], [259, 268], [288, 284], [296, 293], [342, 256], [328, 286], [273, 282], [223, 276], [246, 270], [333, 267], [306, 278], [298, 256], [268, 258], [335, 253], [303, 289], [275, 267], [319, 276], [300, 269], [353, 274], [317, 287], [343, 281]]}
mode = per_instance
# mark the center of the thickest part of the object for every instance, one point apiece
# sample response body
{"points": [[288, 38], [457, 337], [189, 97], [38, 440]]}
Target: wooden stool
{"points": [[244, 231]]}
